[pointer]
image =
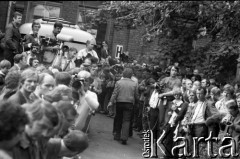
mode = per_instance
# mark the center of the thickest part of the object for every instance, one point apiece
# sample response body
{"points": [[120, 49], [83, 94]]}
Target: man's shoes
{"points": [[124, 142], [116, 138], [102, 112], [109, 115]]}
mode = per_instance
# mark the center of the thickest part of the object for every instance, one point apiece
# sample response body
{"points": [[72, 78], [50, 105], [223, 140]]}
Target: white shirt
{"points": [[198, 114], [221, 106], [154, 99], [83, 53], [86, 104]]}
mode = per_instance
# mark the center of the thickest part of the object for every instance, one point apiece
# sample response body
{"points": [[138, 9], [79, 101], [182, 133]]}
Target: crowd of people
{"points": [[47, 105]]}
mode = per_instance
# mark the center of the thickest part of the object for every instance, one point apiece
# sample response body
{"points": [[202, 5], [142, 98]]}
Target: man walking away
{"points": [[126, 94]]}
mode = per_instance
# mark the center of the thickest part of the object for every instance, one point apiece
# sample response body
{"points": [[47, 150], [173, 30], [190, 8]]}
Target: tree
{"points": [[181, 23]]}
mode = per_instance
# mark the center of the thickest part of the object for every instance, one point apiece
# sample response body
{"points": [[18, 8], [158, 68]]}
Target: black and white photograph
{"points": [[119, 79]]}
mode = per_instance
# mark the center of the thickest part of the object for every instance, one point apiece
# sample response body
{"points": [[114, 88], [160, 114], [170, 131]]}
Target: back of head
{"points": [[65, 91], [40, 108], [63, 78], [76, 141], [12, 118], [94, 60], [53, 96], [12, 80], [65, 107], [17, 58], [216, 91], [5, 64], [127, 73]]}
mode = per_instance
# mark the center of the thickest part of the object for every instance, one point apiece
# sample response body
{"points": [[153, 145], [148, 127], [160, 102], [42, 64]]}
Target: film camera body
{"points": [[77, 83], [160, 87]]}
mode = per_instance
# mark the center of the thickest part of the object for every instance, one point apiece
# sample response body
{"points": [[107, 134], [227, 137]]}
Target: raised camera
{"points": [[77, 83]]}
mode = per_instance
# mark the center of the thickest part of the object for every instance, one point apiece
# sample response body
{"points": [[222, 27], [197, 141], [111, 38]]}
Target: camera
{"points": [[228, 123], [77, 83], [159, 87]]}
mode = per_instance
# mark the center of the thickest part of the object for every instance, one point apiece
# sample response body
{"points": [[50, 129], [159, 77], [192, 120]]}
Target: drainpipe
{"points": [[9, 12]]}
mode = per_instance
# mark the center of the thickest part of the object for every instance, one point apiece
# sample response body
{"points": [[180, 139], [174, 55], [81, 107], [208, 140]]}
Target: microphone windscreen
{"points": [[64, 37]]}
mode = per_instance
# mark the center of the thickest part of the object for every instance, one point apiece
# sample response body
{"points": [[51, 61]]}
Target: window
{"points": [[44, 9]]}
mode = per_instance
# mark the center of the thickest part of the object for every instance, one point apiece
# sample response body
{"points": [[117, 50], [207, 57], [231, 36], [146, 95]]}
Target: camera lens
{"points": [[77, 84]]}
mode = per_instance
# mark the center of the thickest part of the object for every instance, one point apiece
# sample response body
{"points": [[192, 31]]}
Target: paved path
{"points": [[102, 145]]}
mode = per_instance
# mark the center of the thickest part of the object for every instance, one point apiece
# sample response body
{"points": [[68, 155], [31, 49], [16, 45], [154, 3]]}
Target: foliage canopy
{"points": [[181, 23]]}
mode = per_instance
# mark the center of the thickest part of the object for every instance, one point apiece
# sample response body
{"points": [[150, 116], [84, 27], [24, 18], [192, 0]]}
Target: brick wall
{"points": [[135, 47], [131, 39], [70, 11], [120, 37], [109, 33]]}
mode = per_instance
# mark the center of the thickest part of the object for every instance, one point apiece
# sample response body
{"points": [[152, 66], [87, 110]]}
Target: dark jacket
{"points": [[125, 90], [104, 53], [18, 98], [182, 112], [30, 38], [13, 39]]}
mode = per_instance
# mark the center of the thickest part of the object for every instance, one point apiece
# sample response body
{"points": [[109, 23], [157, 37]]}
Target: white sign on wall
{"points": [[119, 51]]}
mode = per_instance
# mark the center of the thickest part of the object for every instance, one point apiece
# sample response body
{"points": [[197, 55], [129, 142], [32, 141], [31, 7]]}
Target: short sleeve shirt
{"points": [[171, 83], [84, 52]]}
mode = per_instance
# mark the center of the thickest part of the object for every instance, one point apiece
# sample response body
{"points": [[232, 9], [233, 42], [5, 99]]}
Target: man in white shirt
{"points": [[201, 112], [88, 51]]}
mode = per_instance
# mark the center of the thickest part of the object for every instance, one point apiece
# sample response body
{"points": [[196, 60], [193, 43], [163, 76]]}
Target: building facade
{"points": [[73, 11], [130, 40]]}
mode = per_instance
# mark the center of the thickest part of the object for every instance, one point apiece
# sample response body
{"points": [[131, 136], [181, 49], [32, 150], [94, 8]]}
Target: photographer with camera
{"points": [[51, 44], [33, 41], [87, 100]]}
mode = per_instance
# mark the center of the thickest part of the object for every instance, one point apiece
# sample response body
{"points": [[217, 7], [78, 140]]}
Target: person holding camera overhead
{"points": [[88, 100]]}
